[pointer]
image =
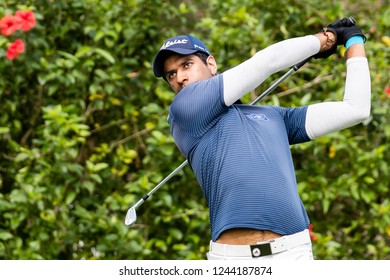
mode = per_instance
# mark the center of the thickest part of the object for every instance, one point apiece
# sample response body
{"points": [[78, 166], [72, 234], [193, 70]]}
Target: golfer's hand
{"points": [[342, 29], [328, 44], [344, 33]]}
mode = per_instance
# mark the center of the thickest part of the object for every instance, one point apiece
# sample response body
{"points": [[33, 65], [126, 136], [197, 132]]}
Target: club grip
{"points": [[345, 22], [352, 20]]}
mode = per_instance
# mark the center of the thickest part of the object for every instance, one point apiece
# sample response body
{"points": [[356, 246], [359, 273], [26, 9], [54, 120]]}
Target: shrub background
{"points": [[83, 132]]}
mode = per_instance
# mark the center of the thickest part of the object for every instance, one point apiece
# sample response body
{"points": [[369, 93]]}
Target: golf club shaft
{"points": [[280, 80], [142, 200], [265, 93]]}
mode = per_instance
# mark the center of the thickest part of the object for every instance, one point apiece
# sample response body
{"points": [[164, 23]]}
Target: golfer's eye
{"points": [[170, 75], [188, 64]]}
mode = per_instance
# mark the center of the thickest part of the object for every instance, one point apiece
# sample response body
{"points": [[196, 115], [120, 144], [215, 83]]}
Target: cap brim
{"points": [[159, 59]]}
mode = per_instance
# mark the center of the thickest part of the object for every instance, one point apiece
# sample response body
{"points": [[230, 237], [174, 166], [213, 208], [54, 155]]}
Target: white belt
{"points": [[262, 249]]}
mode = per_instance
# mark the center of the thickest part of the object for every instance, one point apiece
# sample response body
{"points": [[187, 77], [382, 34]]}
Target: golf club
{"points": [[131, 215]]}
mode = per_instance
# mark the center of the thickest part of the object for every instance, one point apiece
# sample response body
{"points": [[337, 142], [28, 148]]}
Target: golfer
{"points": [[240, 153]]}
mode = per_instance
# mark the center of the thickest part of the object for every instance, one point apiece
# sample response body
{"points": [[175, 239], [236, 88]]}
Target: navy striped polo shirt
{"points": [[241, 157]]}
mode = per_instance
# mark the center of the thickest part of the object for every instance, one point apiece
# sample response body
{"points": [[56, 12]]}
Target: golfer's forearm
{"points": [[328, 117], [251, 73]]}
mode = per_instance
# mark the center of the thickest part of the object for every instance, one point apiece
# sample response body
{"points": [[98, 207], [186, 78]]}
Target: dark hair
{"points": [[203, 56]]}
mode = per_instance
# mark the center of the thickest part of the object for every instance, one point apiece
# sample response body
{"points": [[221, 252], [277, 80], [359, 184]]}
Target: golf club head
{"points": [[131, 216]]}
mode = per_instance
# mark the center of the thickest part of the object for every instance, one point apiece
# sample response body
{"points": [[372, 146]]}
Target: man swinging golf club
{"points": [[239, 153]]}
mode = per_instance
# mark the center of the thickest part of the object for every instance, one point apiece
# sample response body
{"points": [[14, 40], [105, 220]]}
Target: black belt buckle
{"points": [[261, 250]]}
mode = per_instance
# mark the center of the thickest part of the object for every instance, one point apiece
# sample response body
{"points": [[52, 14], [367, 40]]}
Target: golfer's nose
{"points": [[181, 77]]}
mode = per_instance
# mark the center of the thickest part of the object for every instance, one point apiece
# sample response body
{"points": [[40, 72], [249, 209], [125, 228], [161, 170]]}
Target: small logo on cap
{"points": [[199, 47]]}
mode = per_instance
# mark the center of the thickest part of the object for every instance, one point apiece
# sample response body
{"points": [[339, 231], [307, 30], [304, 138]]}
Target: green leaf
{"points": [[106, 55], [21, 157], [100, 166], [96, 178], [48, 215], [176, 233], [68, 56], [83, 51], [5, 235], [4, 130], [70, 196], [305, 100]]}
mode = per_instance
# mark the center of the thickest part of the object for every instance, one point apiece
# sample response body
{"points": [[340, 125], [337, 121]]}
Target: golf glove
{"points": [[343, 29], [344, 33]]}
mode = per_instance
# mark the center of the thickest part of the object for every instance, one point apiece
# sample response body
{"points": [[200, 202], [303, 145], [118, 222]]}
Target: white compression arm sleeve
{"points": [[327, 117], [251, 73]]}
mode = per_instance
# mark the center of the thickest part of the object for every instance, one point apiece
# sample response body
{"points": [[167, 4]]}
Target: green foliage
{"points": [[83, 129]]}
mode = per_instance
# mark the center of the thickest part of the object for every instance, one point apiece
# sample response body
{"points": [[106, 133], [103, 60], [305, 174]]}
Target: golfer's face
{"points": [[180, 71]]}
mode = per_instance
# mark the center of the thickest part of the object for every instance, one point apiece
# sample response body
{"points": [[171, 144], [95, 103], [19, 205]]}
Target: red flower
{"points": [[8, 25], [312, 236], [25, 20], [387, 91], [15, 49]]}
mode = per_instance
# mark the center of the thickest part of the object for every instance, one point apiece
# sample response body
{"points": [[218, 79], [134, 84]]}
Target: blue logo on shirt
{"points": [[257, 118]]}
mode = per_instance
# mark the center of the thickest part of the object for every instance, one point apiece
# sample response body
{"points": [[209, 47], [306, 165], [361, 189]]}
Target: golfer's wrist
{"points": [[356, 50], [354, 40]]}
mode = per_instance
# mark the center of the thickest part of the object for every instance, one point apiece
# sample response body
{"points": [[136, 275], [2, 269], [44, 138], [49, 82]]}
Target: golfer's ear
{"points": [[212, 64]]}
